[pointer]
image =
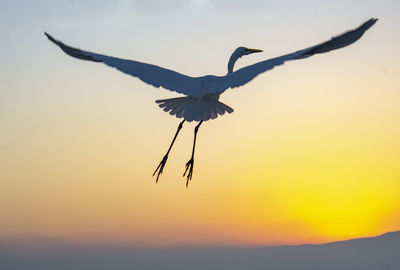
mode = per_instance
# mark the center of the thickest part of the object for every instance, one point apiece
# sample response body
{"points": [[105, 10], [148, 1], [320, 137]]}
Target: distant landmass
{"points": [[375, 253]]}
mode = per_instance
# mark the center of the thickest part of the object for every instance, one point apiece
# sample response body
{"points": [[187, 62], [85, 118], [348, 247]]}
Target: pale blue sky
{"points": [[185, 35]]}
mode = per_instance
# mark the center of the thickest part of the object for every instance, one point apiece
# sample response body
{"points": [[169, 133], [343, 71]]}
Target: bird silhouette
{"points": [[201, 94]]}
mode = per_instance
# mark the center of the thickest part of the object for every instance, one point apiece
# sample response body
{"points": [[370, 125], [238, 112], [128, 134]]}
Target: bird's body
{"points": [[201, 100], [195, 108]]}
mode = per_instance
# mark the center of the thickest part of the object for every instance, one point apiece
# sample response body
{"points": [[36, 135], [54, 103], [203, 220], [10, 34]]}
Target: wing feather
{"points": [[151, 74], [200, 86], [246, 74]]}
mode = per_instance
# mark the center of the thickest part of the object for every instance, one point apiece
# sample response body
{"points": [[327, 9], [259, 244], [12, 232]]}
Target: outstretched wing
{"points": [[246, 74], [151, 74]]}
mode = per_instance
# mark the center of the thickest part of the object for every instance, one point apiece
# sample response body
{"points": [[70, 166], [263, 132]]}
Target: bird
{"points": [[200, 100]]}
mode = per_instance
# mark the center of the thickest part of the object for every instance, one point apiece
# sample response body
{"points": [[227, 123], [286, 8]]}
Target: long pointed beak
{"points": [[253, 50]]}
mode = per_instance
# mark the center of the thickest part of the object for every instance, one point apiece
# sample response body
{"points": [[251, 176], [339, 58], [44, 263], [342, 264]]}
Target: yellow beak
{"points": [[253, 50]]}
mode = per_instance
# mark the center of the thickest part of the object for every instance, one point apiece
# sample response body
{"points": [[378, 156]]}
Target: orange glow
{"points": [[311, 153]]}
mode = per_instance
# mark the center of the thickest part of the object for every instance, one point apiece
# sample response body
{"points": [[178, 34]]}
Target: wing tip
{"points": [[50, 37], [369, 23]]}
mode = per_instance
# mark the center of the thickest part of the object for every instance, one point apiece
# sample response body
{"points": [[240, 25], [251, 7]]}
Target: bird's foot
{"points": [[160, 167], [189, 170]]}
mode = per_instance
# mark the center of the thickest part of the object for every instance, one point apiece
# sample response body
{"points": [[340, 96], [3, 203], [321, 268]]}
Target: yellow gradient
{"points": [[310, 154]]}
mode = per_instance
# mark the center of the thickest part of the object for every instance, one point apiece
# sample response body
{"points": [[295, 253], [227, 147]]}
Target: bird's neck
{"points": [[234, 57]]}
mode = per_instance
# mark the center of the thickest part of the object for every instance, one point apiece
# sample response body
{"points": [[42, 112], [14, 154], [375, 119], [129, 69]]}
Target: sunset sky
{"points": [[310, 155]]}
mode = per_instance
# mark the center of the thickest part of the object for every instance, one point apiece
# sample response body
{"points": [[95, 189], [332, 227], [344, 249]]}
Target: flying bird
{"points": [[201, 94]]}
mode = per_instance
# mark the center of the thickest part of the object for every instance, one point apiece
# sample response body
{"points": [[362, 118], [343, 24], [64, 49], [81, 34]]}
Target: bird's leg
{"points": [[190, 163], [164, 160]]}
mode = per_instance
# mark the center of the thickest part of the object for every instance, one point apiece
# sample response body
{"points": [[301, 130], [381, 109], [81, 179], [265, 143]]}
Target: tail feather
{"points": [[194, 109]]}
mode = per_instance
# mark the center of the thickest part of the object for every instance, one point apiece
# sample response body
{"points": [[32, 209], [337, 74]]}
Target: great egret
{"points": [[201, 100]]}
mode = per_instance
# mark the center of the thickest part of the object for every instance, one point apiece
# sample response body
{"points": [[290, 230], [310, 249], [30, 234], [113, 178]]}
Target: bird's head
{"points": [[239, 52], [246, 51]]}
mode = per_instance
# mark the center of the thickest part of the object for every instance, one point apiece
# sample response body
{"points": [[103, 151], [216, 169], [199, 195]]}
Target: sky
{"points": [[310, 154]]}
